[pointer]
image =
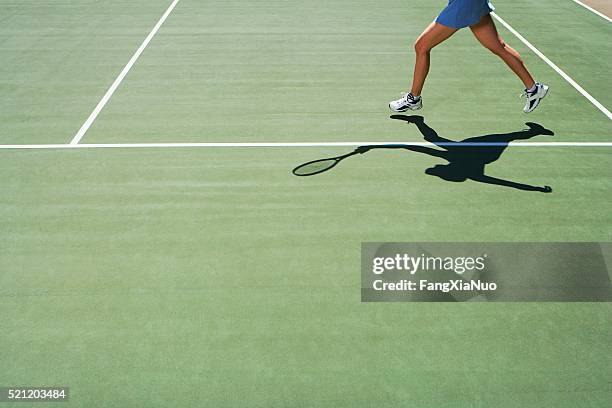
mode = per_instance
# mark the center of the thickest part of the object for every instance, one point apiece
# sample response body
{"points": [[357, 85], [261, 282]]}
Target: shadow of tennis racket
{"points": [[322, 165]]}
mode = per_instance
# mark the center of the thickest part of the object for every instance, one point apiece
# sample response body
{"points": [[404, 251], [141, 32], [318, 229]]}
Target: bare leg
{"points": [[486, 32], [432, 36]]}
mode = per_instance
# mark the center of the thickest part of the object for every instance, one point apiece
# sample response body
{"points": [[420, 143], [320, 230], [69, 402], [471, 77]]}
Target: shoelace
{"points": [[525, 93], [407, 96]]}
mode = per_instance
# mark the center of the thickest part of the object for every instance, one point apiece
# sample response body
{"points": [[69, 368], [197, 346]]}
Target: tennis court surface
{"points": [[157, 251]]}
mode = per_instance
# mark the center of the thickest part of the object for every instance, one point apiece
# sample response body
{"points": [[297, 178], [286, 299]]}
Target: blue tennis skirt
{"points": [[464, 13]]}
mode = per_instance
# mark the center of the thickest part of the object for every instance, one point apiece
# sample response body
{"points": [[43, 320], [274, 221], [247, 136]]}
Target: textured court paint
{"points": [[602, 8], [313, 71], [109, 93], [213, 277], [59, 57], [219, 279]]}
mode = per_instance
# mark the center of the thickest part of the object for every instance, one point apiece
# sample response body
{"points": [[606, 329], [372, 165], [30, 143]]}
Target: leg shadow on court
{"points": [[467, 159]]}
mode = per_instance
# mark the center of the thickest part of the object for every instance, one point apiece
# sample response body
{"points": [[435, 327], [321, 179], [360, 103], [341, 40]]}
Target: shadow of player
{"points": [[467, 158]]}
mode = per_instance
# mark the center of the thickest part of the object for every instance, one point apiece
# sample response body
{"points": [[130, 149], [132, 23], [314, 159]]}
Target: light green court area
{"points": [[214, 277], [58, 59]]}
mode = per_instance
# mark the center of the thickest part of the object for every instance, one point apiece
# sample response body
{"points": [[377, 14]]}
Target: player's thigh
{"points": [[433, 35], [486, 33]]}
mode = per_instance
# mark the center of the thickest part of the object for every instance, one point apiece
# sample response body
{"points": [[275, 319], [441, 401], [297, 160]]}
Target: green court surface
{"points": [[213, 277]]}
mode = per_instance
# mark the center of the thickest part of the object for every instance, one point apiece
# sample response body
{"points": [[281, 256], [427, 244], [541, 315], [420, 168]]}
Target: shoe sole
{"points": [[546, 88]]}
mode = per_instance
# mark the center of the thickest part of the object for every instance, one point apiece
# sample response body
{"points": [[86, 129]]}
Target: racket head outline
{"points": [[331, 163]]}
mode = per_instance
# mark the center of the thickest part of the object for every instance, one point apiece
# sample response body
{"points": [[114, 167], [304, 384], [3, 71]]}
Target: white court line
{"points": [[297, 144], [555, 67], [79, 135], [602, 15]]}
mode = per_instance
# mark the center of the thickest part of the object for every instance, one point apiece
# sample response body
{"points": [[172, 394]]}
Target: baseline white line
{"points": [[600, 14], [555, 67], [92, 117], [316, 144]]}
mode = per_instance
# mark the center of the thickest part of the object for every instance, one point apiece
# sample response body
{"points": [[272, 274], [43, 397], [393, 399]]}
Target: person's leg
{"points": [[486, 32], [432, 36]]}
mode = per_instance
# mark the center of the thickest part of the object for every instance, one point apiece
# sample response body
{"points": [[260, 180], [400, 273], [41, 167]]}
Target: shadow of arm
{"points": [[506, 183], [420, 149]]}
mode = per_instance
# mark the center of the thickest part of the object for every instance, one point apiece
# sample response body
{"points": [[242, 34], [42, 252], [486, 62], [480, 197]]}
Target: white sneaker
{"points": [[406, 102], [534, 98]]}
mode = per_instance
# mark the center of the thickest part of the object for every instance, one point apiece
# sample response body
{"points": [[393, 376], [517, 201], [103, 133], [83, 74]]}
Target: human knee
{"points": [[421, 47]]}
